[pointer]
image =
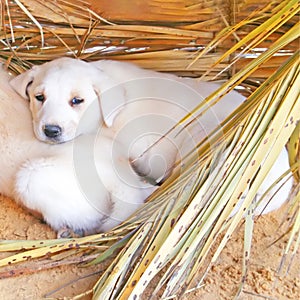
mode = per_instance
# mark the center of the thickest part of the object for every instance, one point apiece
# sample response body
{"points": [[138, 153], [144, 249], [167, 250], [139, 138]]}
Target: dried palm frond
{"points": [[176, 230]]}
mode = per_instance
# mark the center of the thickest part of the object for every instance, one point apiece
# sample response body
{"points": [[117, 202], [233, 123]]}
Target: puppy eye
{"points": [[40, 97], [76, 101]]}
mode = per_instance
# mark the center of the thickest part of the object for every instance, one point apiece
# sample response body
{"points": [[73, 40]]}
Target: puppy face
{"points": [[65, 98]]}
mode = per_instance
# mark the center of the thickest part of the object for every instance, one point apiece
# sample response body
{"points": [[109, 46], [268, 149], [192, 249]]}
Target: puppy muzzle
{"points": [[52, 131]]}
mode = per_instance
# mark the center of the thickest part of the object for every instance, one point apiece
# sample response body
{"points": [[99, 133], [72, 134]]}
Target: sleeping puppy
{"points": [[138, 106], [85, 186]]}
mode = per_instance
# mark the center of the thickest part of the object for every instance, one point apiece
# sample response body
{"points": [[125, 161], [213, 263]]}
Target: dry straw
{"points": [[250, 44]]}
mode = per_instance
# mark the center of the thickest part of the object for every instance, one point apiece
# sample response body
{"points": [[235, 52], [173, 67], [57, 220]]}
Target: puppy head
{"points": [[68, 97]]}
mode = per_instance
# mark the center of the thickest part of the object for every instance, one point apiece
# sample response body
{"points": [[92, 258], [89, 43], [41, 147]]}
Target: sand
{"points": [[222, 281]]}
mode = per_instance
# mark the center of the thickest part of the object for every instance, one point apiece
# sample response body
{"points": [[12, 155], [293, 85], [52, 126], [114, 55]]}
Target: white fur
{"points": [[16, 137], [91, 194], [139, 106], [53, 180]]}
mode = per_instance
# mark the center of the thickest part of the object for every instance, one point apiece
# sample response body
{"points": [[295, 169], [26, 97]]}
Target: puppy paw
{"points": [[66, 233]]}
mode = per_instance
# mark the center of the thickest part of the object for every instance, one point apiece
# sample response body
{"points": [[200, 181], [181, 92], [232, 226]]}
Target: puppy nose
{"points": [[52, 130]]}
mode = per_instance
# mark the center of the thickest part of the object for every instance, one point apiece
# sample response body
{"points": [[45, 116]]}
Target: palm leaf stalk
{"points": [[175, 231], [207, 225]]}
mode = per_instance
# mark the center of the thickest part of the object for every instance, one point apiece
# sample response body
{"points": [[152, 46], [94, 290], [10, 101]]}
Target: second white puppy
{"points": [[90, 187]]}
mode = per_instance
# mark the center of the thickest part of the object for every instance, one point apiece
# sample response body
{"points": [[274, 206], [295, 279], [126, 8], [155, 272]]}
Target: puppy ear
{"points": [[21, 82], [111, 98]]}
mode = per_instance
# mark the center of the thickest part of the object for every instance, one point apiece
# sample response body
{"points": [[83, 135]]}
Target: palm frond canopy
{"points": [[162, 35]]}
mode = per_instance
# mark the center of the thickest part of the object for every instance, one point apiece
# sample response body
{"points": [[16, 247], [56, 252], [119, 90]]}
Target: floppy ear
{"points": [[21, 82], [111, 98]]}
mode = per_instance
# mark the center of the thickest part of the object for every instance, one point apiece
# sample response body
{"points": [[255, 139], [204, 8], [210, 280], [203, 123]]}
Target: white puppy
{"points": [[70, 97], [87, 186]]}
